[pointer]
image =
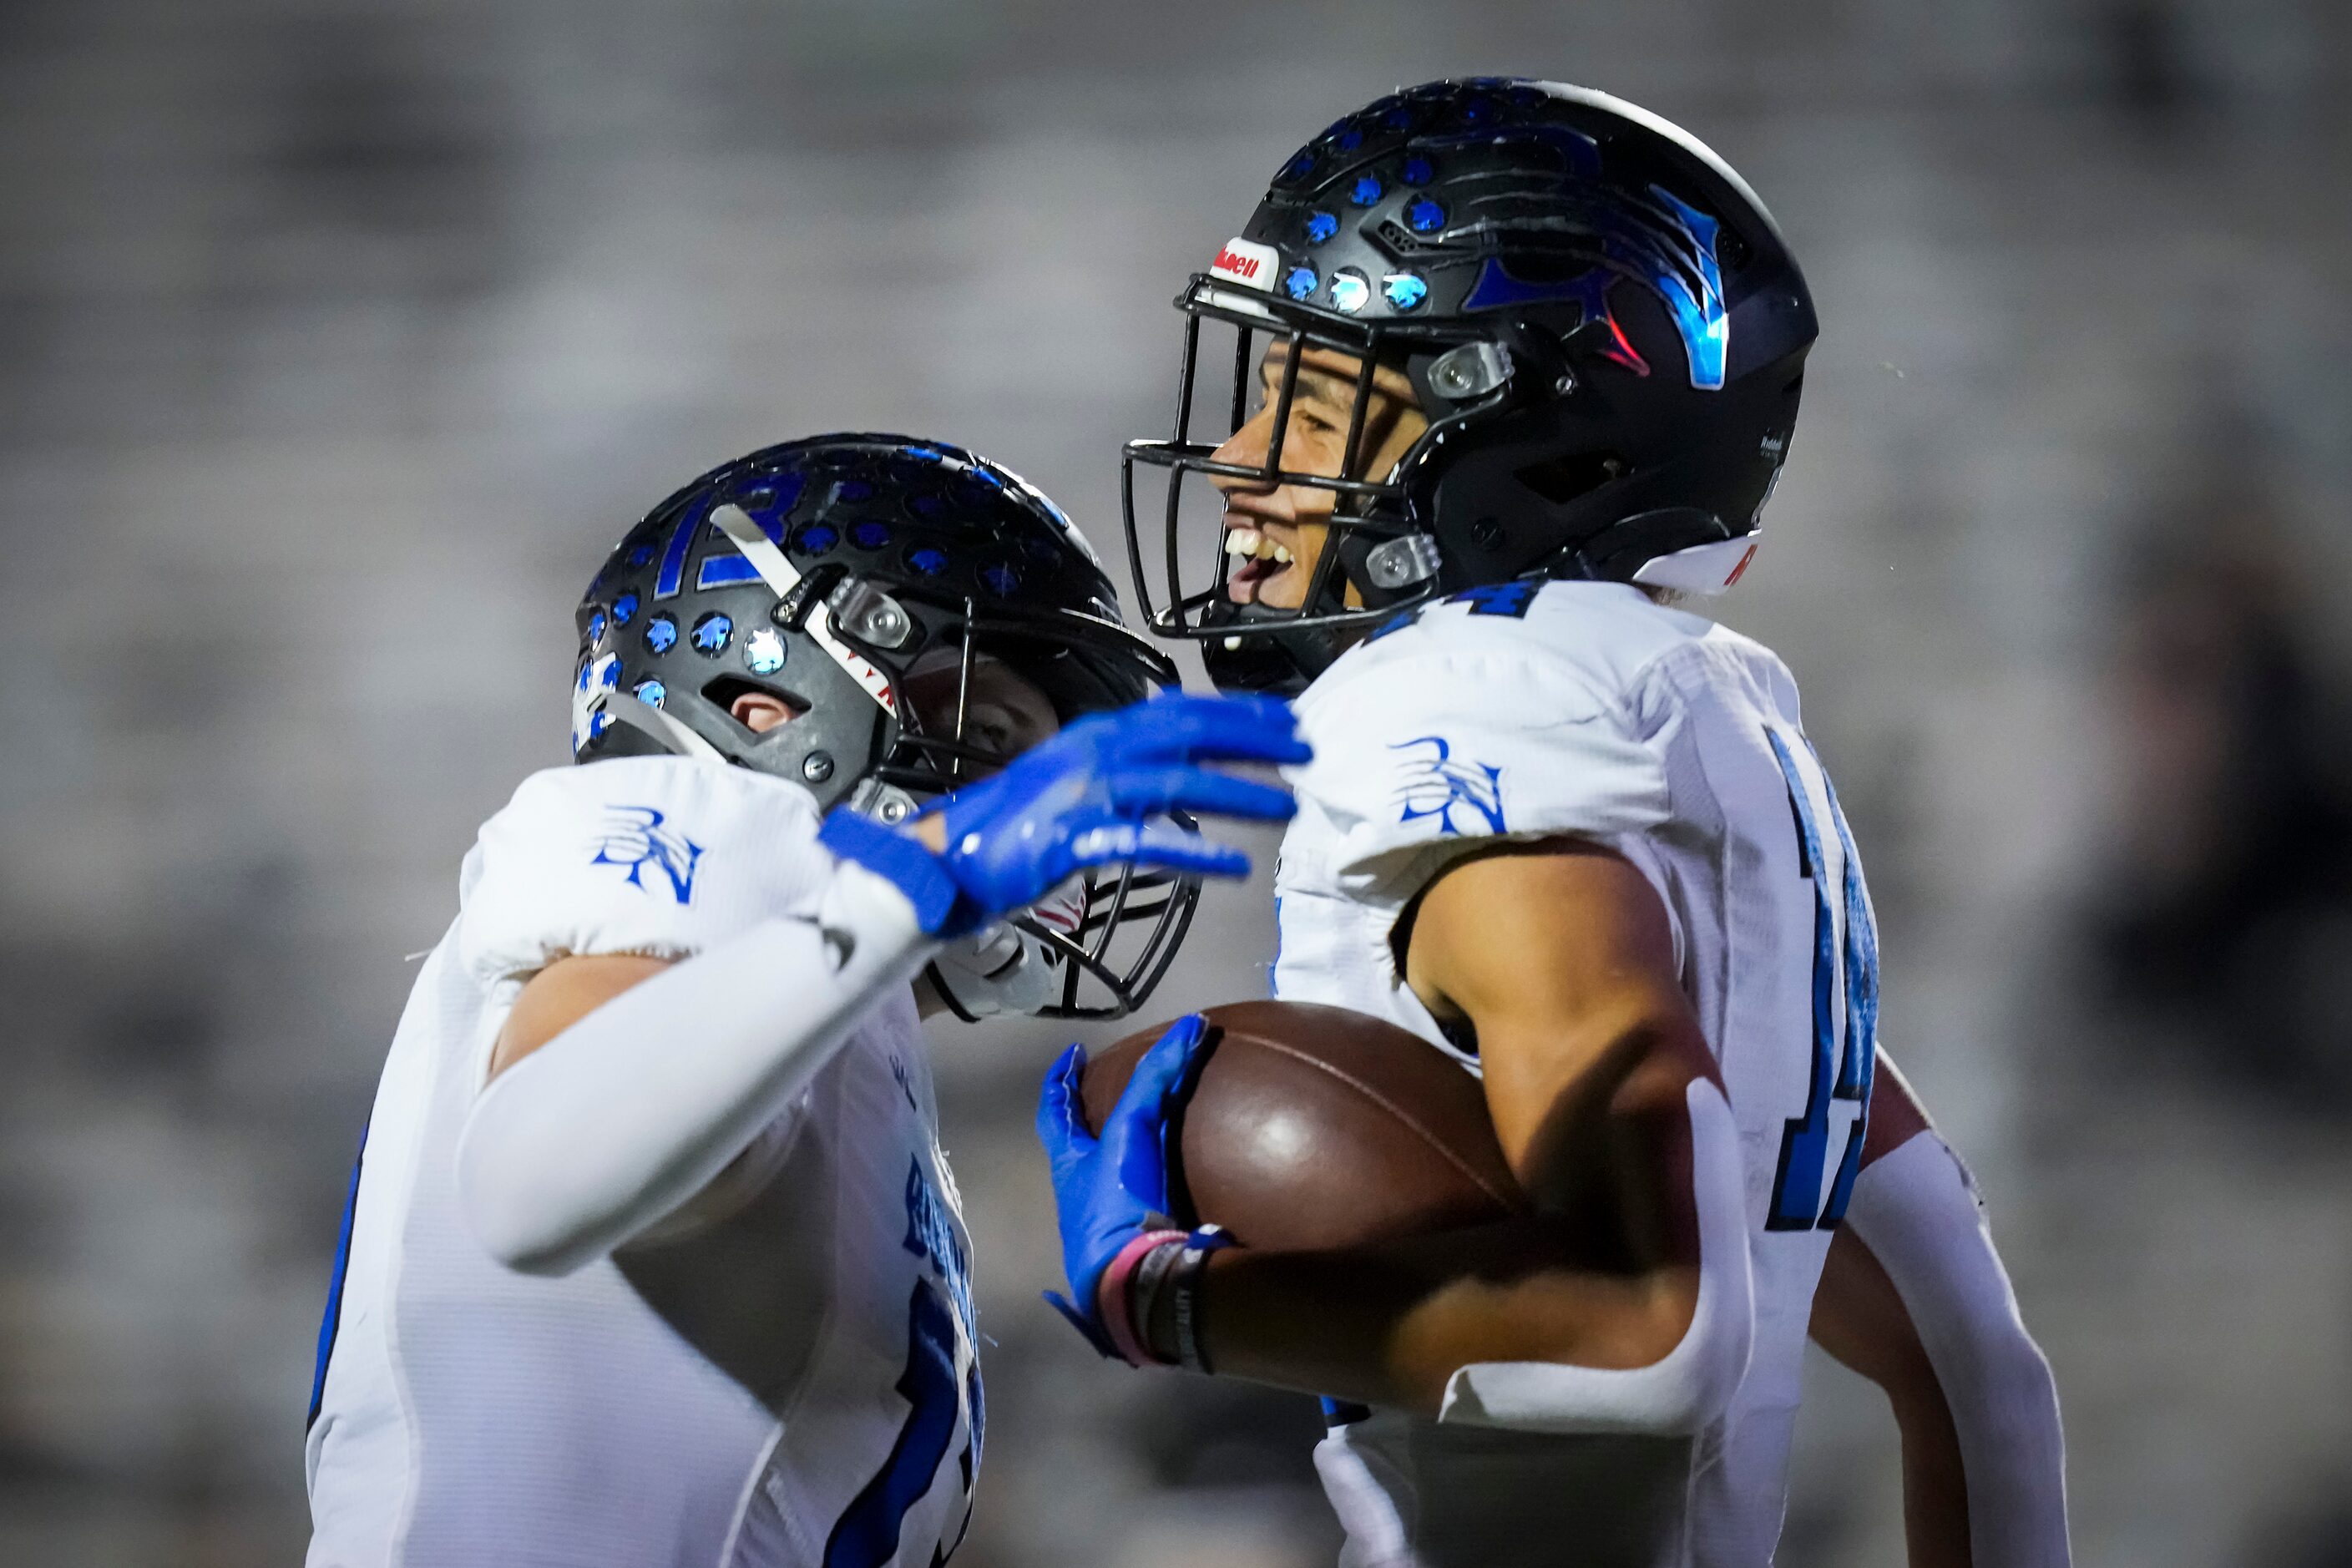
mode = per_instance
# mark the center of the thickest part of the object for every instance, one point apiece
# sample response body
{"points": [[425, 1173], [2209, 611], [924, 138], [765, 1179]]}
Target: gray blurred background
{"points": [[339, 340]]}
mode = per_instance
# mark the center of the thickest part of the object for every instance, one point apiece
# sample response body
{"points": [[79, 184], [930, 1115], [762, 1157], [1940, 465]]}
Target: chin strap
{"points": [[671, 733]]}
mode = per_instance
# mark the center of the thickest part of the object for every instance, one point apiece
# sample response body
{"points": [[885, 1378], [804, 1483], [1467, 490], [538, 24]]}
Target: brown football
{"points": [[1313, 1127]]}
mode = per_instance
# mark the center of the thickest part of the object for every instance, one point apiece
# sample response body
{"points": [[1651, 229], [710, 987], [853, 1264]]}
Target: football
{"points": [[1310, 1126]]}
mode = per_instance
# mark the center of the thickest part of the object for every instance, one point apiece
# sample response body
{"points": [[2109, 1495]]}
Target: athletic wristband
{"points": [[1184, 1278], [903, 862], [1116, 1301]]}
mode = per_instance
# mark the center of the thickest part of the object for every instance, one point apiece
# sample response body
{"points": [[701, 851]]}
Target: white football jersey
{"points": [[791, 1382], [1523, 710]]}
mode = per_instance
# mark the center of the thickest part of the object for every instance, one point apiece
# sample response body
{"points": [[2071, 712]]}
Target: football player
{"points": [[1531, 365], [652, 1256]]}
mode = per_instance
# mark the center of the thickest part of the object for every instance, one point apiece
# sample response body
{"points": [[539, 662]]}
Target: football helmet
{"points": [[825, 573], [1600, 323]]}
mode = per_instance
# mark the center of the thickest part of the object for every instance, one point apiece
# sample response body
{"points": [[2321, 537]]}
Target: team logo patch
{"points": [[636, 837], [1436, 783], [597, 678]]}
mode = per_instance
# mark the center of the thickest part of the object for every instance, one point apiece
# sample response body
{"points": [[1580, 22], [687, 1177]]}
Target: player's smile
{"points": [[1262, 551]]}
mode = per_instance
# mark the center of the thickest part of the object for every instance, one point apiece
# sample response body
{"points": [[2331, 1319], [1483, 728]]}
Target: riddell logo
{"points": [[1245, 261]]}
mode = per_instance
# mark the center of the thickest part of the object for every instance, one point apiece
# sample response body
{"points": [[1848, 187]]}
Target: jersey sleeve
{"points": [[657, 855], [1419, 758]]}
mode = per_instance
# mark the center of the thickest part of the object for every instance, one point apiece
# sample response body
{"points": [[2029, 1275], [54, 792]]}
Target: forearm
{"points": [[633, 1109], [1935, 1483], [1858, 1319], [1391, 1325], [1499, 1326], [1915, 1211]]}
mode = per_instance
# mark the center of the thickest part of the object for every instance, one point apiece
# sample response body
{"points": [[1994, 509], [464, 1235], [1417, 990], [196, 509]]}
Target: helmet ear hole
{"points": [[1563, 480], [728, 693]]}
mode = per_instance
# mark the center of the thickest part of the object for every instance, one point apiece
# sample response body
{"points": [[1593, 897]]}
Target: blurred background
{"points": [[339, 340]]}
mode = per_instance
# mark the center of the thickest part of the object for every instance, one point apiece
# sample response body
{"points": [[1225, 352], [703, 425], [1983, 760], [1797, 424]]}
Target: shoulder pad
{"points": [[649, 855]]}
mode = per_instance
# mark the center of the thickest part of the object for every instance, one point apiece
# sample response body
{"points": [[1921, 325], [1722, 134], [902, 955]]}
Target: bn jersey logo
{"points": [[1438, 785], [633, 838]]}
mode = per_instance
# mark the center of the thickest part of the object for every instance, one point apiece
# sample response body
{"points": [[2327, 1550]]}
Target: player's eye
{"points": [[990, 730]]}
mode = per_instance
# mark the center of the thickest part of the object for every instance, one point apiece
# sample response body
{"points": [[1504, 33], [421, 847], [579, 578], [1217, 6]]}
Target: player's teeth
{"points": [[1282, 554], [1242, 542], [1232, 643], [1266, 548]]}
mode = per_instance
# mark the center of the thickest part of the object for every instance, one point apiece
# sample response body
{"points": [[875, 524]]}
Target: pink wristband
{"points": [[1111, 1302]]}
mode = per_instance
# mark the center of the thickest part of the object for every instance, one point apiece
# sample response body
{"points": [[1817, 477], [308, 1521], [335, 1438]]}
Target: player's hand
{"points": [[1111, 1192], [1087, 797], [1084, 796]]}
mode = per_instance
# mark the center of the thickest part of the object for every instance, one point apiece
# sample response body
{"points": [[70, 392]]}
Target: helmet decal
{"points": [[625, 609], [671, 577], [722, 567], [763, 651], [661, 634], [1497, 289], [1669, 251], [596, 676], [711, 634]]}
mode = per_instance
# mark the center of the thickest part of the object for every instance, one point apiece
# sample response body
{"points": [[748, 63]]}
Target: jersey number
{"points": [[1804, 1146], [867, 1534]]}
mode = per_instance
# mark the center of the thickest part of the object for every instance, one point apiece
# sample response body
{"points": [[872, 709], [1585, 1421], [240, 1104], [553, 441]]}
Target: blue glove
{"points": [[1111, 1192], [1082, 799]]}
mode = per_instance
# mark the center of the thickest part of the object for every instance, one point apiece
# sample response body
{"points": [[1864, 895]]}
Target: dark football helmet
{"points": [[1599, 319], [824, 571]]}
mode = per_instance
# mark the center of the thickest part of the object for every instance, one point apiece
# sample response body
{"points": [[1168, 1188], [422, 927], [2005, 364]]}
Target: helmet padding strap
{"points": [[671, 733]]}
